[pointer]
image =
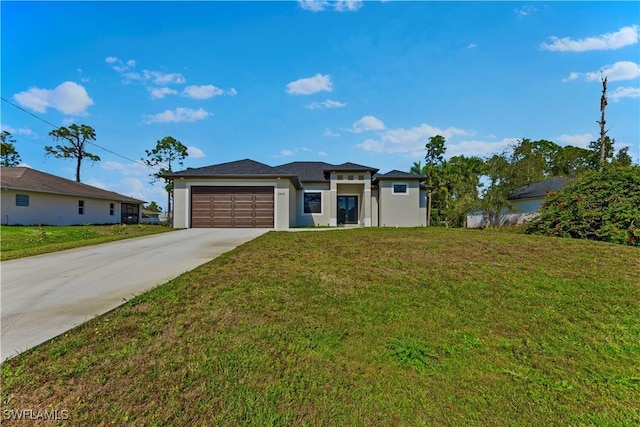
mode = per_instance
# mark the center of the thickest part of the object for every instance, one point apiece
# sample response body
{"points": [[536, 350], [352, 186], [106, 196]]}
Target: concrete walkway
{"points": [[46, 295]]}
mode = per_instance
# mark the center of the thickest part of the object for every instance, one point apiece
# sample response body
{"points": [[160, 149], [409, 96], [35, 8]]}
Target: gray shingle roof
{"points": [[540, 189], [319, 171], [246, 168], [396, 174], [307, 171], [27, 179]]}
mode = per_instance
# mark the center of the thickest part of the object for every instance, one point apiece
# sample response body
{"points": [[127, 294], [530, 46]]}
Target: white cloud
{"points": [[367, 123], [625, 36], [525, 11], [348, 5], [206, 92], [624, 92], [14, 131], [195, 152], [322, 154], [313, 5], [180, 114], [160, 78], [580, 140], [161, 92], [326, 104], [126, 70], [286, 153], [337, 5], [472, 46], [328, 132], [407, 141], [307, 86], [623, 70], [68, 98]]}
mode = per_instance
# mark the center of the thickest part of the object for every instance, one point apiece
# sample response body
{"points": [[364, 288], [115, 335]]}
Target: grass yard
{"points": [[19, 241], [382, 327]]}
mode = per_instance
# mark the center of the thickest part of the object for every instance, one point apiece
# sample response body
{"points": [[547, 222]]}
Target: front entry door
{"points": [[347, 210]]}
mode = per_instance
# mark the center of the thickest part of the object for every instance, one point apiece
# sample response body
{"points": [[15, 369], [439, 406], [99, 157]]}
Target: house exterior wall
{"points": [[182, 197], [375, 208], [317, 219], [401, 210], [56, 209]]}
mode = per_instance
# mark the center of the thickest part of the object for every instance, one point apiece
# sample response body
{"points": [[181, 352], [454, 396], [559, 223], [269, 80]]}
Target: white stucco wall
{"points": [[317, 219], [182, 197], [54, 209], [401, 210]]}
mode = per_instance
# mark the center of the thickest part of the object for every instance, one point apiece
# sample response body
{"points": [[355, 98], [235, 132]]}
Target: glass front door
{"points": [[347, 210]]}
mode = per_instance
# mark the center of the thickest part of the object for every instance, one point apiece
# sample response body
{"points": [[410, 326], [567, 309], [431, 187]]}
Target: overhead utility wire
{"points": [[88, 142]]}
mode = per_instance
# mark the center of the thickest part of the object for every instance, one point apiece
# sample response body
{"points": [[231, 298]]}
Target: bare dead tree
{"points": [[602, 122]]}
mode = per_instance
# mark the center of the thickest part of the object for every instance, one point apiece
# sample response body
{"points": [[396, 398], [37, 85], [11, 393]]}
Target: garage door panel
{"points": [[241, 207]]}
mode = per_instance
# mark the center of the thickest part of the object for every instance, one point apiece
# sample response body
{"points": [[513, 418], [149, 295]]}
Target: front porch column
{"points": [[367, 200], [333, 201]]}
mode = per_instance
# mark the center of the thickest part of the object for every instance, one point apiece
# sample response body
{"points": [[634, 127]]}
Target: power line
{"points": [[88, 142]]}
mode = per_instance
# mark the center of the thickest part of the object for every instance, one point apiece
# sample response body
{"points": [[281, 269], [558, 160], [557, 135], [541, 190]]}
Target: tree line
{"points": [[462, 184]]}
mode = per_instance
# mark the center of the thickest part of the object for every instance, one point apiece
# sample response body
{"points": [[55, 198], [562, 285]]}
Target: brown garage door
{"points": [[232, 207]]}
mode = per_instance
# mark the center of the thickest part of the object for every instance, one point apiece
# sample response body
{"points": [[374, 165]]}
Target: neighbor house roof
{"points": [[27, 179], [540, 189], [246, 168]]}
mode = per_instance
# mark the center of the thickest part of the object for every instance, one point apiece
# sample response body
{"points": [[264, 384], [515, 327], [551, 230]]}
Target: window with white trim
{"points": [[400, 189], [312, 202]]}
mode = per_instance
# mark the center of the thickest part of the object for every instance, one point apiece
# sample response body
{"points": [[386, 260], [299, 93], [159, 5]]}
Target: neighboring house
{"points": [[247, 194], [31, 197], [150, 217], [526, 202]]}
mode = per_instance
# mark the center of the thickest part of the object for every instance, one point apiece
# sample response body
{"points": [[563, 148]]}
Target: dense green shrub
{"points": [[598, 206]]}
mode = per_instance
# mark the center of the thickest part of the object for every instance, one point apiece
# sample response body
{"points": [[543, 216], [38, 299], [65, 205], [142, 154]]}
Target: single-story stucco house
{"points": [[32, 197], [526, 202], [247, 194]]}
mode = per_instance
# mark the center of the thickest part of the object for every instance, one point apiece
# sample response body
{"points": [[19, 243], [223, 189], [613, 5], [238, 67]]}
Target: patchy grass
{"points": [[360, 327], [19, 241]]}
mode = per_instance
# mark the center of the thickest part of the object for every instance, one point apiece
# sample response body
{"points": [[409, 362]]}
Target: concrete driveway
{"points": [[46, 295]]}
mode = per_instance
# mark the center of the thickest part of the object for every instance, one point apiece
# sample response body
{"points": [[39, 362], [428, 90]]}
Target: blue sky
{"points": [[365, 82]]}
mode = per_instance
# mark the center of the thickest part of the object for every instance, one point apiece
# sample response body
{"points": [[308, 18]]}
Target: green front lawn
{"points": [[360, 327], [19, 241]]}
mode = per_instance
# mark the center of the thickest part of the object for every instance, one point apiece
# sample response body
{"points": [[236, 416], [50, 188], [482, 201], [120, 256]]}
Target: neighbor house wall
{"points": [[401, 210], [523, 210], [56, 209]]}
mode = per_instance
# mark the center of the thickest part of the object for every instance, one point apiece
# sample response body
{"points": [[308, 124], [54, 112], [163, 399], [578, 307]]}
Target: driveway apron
{"points": [[46, 295]]}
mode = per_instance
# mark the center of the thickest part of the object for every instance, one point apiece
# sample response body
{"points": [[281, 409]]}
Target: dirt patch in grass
{"points": [[360, 327]]}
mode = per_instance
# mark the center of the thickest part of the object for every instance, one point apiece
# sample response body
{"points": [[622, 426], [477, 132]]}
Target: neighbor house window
{"points": [[112, 209], [400, 189], [313, 203], [22, 200], [80, 207]]}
